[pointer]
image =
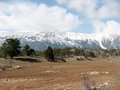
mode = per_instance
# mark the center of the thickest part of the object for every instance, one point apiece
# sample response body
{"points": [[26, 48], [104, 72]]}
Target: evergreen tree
{"points": [[27, 50], [49, 54], [3, 52], [31, 52], [11, 47]]}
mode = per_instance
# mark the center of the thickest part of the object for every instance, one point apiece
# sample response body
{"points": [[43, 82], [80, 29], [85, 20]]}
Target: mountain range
{"points": [[41, 40]]}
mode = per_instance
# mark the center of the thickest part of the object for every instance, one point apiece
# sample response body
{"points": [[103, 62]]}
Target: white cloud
{"points": [[32, 17], [94, 9], [112, 27], [101, 13], [109, 10], [109, 27], [98, 25]]}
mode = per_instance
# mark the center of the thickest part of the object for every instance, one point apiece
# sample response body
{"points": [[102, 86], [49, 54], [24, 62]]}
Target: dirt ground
{"points": [[61, 75]]}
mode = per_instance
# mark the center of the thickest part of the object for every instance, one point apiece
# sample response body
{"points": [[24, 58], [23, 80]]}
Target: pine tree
{"points": [[26, 49], [31, 52], [49, 54], [11, 47]]}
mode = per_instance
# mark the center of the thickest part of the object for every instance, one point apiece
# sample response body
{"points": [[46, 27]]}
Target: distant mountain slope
{"points": [[41, 40]]}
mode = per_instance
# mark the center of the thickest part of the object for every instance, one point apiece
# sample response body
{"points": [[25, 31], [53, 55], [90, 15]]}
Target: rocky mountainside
{"points": [[41, 40]]}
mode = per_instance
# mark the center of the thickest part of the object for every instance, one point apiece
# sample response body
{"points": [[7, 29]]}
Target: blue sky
{"points": [[84, 16]]}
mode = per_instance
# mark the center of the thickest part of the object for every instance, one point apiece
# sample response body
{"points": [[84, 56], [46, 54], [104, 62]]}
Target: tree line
{"points": [[11, 47], [71, 52]]}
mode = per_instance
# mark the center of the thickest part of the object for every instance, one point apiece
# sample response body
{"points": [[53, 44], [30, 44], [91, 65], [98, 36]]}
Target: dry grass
{"points": [[59, 76]]}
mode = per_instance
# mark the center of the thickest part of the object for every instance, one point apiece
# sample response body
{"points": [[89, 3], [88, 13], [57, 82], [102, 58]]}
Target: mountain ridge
{"points": [[41, 40]]}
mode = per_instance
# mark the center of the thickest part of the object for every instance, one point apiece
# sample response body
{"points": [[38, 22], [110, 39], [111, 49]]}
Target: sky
{"points": [[83, 16]]}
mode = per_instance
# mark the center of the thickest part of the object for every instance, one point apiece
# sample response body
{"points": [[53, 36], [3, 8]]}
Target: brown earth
{"points": [[60, 76]]}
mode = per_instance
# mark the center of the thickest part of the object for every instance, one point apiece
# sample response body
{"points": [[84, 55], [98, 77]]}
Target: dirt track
{"points": [[60, 76]]}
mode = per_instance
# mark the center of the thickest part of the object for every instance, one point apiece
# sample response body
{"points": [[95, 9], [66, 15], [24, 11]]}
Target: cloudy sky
{"points": [[84, 16]]}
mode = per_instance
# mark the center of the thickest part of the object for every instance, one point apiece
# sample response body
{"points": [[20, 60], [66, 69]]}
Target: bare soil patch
{"points": [[60, 76]]}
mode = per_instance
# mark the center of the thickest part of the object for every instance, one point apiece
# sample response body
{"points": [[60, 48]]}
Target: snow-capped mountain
{"points": [[41, 40]]}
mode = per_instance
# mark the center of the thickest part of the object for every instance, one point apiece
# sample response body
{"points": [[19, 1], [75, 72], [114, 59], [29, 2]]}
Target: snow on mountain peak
{"points": [[40, 40]]}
